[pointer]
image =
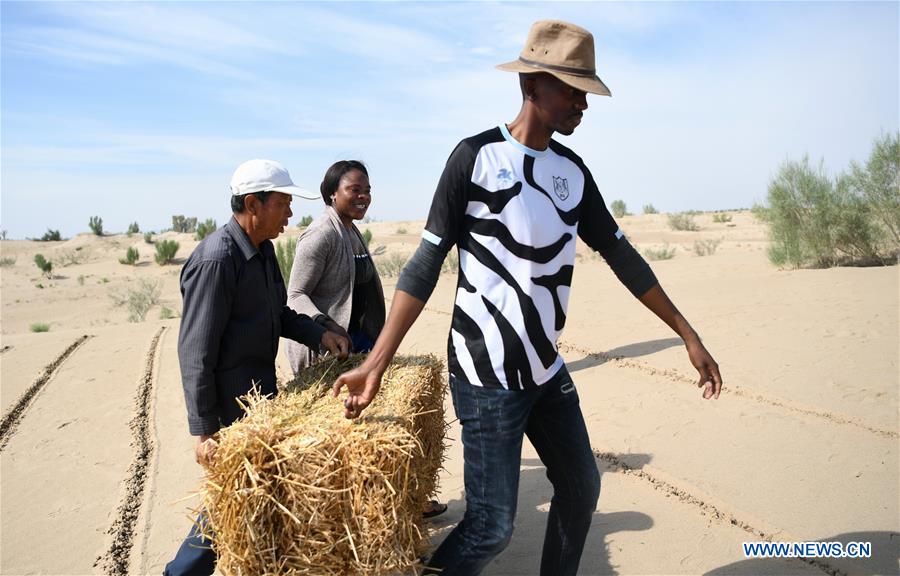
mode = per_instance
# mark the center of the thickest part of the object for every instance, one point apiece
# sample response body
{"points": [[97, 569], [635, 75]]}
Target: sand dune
{"points": [[802, 445]]}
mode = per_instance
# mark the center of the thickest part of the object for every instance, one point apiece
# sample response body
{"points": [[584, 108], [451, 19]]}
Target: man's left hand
{"points": [[710, 379], [336, 344]]}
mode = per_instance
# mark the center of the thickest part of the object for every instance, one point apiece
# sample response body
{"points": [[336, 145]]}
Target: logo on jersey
{"points": [[505, 178], [561, 187]]}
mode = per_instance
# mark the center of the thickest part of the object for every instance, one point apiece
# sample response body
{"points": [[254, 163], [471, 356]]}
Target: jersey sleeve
{"points": [[596, 226], [449, 203]]}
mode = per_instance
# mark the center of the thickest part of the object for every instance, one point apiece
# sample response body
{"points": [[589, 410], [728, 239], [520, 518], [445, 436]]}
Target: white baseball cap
{"points": [[263, 176]]}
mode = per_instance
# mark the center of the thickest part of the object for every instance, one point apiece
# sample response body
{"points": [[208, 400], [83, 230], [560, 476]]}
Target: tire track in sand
{"points": [[614, 463], [115, 560], [675, 376], [14, 415]]}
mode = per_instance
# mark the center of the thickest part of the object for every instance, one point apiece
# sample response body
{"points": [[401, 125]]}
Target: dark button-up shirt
{"points": [[235, 309]]}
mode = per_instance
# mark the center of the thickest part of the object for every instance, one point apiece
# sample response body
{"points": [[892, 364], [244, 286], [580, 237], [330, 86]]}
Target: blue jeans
{"points": [[494, 422]]}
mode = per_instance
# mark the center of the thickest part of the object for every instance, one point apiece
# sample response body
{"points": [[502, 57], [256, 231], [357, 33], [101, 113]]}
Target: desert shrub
{"points": [[284, 253], [166, 313], [39, 327], [96, 225], [2, 234], [50, 236], [182, 224], [451, 263], [45, 266], [878, 182], [706, 247], [205, 228], [650, 209], [721, 218], [133, 228], [664, 253], [305, 221], [391, 264], [139, 300], [367, 237], [165, 251], [7, 261], [618, 208], [401, 230], [148, 237], [81, 279], [683, 221], [131, 256], [71, 257], [816, 222]]}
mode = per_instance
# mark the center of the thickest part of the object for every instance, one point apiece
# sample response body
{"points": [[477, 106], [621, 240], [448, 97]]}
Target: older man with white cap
{"points": [[235, 310], [513, 201]]}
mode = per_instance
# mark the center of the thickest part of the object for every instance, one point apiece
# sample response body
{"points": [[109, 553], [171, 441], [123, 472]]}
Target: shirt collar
{"points": [[240, 237]]}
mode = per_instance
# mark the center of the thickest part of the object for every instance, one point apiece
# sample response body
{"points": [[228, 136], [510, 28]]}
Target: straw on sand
{"points": [[298, 489]]}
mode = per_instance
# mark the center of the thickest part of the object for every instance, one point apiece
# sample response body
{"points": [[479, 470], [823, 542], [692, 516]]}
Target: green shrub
{"points": [[367, 237], [205, 228], [391, 264], [683, 221], [650, 209], [131, 256], [720, 218], [96, 225], [305, 221], [706, 247], [816, 222], [165, 251], [166, 313], [138, 300], [46, 266], [148, 237], [40, 327], [618, 208], [7, 261], [284, 253], [879, 184], [133, 228], [71, 258], [400, 230], [664, 253], [182, 224], [50, 236]]}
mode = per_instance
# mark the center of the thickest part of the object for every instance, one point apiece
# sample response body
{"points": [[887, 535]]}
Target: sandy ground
{"points": [[802, 445]]}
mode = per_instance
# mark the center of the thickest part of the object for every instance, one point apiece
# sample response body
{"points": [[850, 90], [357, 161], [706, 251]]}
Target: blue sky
{"points": [[137, 111]]}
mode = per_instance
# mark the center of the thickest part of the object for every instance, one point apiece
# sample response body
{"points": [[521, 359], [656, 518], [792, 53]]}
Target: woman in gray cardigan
{"points": [[333, 278]]}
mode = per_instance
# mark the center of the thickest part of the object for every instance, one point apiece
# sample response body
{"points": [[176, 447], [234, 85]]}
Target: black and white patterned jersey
{"points": [[513, 213]]}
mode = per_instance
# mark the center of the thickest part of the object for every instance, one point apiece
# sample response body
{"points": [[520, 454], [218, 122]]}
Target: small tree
{"points": [[51, 236], [367, 236], [879, 183], [133, 228], [148, 237], [205, 228], [618, 208], [305, 221], [284, 253], [650, 209], [96, 225], [46, 266], [131, 257], [165, 251], [182, 224]]}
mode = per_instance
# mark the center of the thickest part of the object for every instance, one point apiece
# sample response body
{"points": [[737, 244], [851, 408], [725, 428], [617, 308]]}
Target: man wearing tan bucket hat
{"points": [[513, 200]]}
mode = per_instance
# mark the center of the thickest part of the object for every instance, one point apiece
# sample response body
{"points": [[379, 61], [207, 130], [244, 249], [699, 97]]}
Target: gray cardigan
{"points": [[321, 284]]}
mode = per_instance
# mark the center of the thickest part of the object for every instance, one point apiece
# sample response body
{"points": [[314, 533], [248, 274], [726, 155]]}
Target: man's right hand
{"points": [[336, 344], [205, 451], [362, 384]]}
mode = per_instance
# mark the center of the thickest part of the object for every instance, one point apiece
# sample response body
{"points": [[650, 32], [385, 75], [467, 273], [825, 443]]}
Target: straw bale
{"points": [[298, 489]]}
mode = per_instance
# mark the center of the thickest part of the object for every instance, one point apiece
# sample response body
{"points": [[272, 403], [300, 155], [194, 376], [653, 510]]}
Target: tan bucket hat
{"points": [[563, 50]]}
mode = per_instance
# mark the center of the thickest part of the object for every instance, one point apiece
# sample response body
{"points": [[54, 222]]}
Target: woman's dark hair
{"points": [[237, 202], [333, 176]]}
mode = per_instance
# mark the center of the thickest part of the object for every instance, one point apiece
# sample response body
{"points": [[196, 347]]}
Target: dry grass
{"points": [[297, 489]]}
